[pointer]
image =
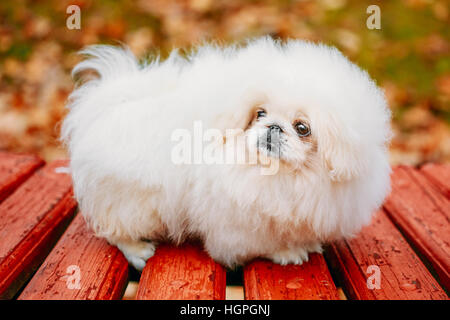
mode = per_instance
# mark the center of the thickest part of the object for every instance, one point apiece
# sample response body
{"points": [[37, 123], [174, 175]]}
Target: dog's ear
{"points": [[340, 148]]}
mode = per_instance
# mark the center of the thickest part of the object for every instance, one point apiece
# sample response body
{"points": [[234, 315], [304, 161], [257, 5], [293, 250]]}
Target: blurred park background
{"points": [[409, 56]]}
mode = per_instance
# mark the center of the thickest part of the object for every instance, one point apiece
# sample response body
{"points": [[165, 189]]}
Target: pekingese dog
{"points": [[146, 142]]}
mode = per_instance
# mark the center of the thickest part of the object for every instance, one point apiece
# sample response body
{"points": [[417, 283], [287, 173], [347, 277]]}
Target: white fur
{"points": [[118, 131]]}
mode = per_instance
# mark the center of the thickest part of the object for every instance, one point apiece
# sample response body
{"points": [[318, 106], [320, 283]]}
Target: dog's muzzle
{"points": [[270, 140]]}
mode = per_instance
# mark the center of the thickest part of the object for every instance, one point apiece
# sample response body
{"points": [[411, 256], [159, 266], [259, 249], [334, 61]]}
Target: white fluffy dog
{"points": [[301, 104]]}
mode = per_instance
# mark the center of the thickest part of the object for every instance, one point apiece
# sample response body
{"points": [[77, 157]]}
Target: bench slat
{"points": [[264, 280], [423, 215], [31, 221], [182, 273], [14, 170], [439, 175], [402, 275], [102, 268]]}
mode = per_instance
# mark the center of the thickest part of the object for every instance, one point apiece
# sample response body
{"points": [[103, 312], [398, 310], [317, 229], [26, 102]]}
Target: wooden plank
{"points": [[14, 170], [439, 175], [403, 276], [31, 220], [423, 214], [264, 280], [182, 273], [80, 267]]}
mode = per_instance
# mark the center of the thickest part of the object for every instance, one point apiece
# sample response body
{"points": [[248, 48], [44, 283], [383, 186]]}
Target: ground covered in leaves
{"points": [[409, 56]]}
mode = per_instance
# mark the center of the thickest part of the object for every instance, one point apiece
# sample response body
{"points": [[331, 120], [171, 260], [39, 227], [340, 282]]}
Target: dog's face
{"points": [[299, 136], [309, 108], [281, 134]]}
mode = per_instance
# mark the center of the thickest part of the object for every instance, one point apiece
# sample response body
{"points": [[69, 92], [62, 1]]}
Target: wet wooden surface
{"points": [[182, 273], [439, 175], [15, 169], [422, 213], [379, 264], [264, 280], [80, 267], [31, 220]]}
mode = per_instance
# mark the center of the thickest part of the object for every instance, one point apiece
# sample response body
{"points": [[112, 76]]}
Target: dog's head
{"points": [[312, 109]]}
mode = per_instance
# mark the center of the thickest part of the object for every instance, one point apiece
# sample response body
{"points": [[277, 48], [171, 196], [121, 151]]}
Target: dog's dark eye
{"points": [[260, 114], [302, 129]]}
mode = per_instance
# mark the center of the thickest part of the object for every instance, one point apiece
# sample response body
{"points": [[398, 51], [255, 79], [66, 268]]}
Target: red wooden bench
{"points": [[46, 251]]}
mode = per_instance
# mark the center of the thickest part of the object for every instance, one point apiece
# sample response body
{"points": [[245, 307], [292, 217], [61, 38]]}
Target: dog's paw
{"points": [[295, 255], [291, 256], [137, 253], [314, 247]]}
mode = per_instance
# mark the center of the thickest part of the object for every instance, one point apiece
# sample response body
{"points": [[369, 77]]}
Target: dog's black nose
{"points": [[275, 128], [273, 136]]}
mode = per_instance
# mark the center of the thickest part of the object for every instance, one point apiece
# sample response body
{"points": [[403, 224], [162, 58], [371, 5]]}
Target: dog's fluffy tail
{"points": [[118, 75], [118, 79], [108, 61]]}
